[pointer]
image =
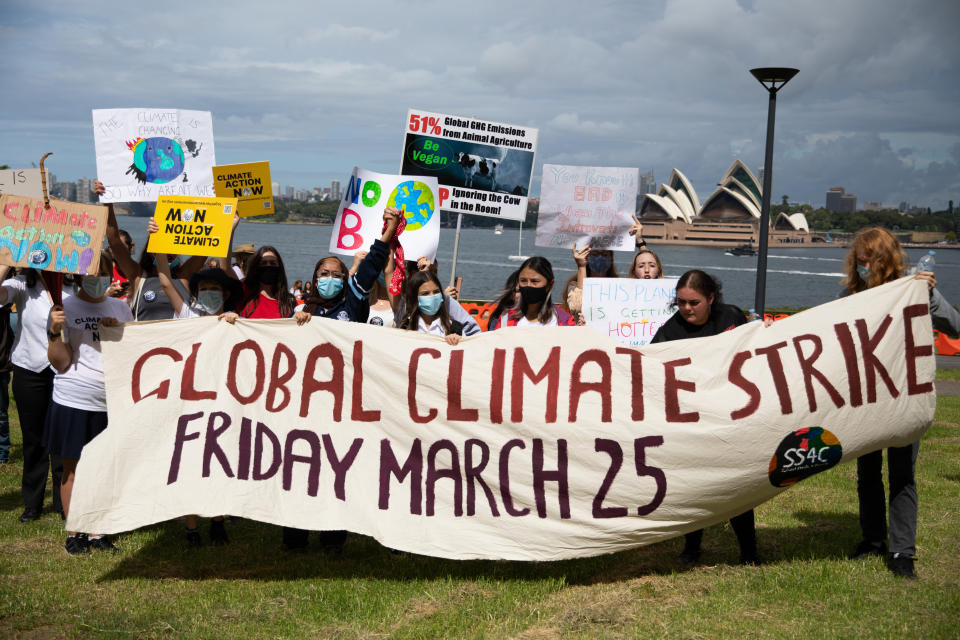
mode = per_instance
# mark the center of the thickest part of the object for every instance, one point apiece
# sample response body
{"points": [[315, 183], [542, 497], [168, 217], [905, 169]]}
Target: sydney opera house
{"points": [[730, 216]]}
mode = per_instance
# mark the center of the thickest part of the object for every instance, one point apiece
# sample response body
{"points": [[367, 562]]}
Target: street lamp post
{"points": [[773, 79]]}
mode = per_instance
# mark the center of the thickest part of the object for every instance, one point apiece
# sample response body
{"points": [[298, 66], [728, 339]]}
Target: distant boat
{"points": [[519, 257], [498, 230], [742, 250]]}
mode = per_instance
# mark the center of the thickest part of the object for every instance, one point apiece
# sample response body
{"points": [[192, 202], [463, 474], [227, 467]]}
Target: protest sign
{"points": [[249, 183], [630, 310], [359, 220], [587, 206], [193, 226], [483, 167], [64, 237], [21, 182], [145, 153], [525, 443]]}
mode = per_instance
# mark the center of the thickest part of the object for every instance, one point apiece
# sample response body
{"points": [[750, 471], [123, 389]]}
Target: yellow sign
{"points": [[249, 183], [193, 226]]}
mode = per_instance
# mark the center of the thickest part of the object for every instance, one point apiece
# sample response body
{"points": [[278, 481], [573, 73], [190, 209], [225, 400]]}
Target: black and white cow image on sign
{"points": [[474, 165]]}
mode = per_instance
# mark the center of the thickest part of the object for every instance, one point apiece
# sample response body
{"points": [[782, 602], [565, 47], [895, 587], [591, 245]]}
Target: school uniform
{"points": [[78, 408]]}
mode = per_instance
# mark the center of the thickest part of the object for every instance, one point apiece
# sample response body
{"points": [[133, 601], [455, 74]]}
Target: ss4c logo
{"points": [[803, 453]]}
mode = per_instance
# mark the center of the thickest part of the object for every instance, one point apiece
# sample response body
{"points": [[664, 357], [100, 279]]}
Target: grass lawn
{"points": [[155, 588]]}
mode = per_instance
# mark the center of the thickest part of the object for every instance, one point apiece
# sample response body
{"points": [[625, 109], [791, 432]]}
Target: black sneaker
{"points": [[901, 565], [193, 539], [77, 545], [752, 560], [102, 543], [689, 557], [30, 514], [218, 533], [866, 549]]}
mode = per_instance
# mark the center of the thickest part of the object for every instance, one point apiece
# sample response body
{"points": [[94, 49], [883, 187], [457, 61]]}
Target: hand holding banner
{"points": [[193, 226], [360, 219]]}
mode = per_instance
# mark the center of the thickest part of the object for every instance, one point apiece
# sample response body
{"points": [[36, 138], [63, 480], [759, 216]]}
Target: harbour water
{"points": [[795, 277]]}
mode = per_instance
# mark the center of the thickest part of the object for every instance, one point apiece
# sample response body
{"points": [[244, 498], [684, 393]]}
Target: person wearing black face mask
{"points": [[266, 293], [591, 263], [535, 281]]}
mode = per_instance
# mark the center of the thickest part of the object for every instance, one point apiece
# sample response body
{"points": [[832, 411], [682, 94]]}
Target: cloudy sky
{"points": [[317, 87]]}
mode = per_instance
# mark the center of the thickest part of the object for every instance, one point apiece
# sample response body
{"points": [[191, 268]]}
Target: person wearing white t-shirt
{"points": [[32, 386], [426, 309], [536, 309], [78, 411]]}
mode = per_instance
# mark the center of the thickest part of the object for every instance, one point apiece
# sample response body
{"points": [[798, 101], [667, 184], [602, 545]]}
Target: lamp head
{"points": [[773, 78]]}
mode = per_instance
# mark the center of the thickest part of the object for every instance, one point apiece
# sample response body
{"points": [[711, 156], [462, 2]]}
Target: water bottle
{"points": [[752, 315], [927, 262]]}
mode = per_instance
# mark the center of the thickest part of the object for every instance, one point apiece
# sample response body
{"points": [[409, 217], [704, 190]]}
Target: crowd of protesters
{"points": [[55, 364]]}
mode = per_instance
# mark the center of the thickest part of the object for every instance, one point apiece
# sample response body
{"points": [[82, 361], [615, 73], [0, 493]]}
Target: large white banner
{"points": [[630, 310], [525, 444], [359, 220], [587, 206], [143, 154]]}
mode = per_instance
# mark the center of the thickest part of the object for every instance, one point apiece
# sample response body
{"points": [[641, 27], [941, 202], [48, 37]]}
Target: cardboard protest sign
{"points": [[65, 237], [359, 220], [629, 310], [524, 444], [21, 182], [587, 206], [145, 153], [483, 167], [249, 183], [193, 226]]}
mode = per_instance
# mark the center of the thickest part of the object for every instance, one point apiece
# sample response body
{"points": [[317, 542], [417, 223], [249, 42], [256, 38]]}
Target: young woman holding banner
{"points": [[341, 296], [702, 313], [876, 258], [535, 281], [426, 309], [214, 291], [78, 408]]}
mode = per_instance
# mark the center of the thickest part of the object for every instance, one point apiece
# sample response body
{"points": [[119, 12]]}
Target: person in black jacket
{"points": [[702, 313]]}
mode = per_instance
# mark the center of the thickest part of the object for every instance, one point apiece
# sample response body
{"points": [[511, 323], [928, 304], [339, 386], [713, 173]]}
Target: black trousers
{"points": [[743, 527], [901, 466], [297, 538], [32, 392]]}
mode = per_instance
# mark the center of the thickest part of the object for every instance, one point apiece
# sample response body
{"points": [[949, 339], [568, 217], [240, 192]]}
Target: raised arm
{"points": [[166, 281], [121, 254]]}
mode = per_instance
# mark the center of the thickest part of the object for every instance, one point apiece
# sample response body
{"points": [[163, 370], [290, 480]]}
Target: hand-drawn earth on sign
{"points": [[415, 199], [160, 160]]}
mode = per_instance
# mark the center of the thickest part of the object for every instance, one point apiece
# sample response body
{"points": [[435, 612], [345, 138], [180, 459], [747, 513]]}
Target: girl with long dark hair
{"points": [[701, 313], [535, 281]]}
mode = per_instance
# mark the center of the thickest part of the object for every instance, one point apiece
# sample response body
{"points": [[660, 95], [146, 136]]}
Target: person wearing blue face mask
{"points": [[78, 408], [876, 258], [426, 309], [340, 295]]}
